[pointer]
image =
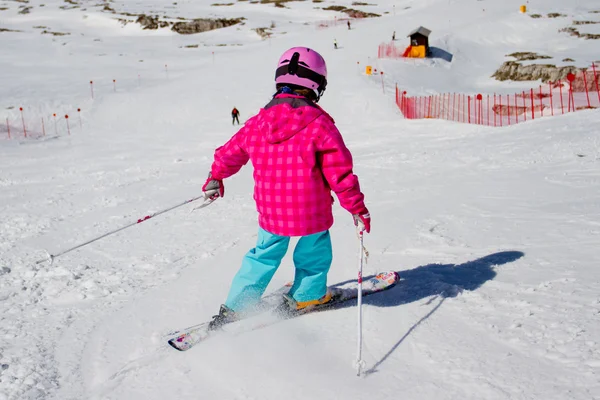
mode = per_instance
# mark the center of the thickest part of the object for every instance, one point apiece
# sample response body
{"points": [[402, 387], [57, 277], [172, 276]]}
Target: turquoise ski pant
{"points": [[312, 259]]}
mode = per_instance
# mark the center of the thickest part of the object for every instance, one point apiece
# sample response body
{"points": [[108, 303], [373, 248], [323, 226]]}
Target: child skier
{"points": [[299, 157]]}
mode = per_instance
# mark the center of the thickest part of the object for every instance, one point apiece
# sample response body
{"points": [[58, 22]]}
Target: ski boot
{"points": [[226, 315], [300, 307]]}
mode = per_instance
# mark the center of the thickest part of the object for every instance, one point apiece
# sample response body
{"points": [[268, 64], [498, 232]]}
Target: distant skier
{"points": [[394, 36], [348, 24], [235, 114], [299, 157], [334, 43]]}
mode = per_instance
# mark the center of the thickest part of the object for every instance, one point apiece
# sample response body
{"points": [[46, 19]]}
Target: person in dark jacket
{"points": [[235, 116]]}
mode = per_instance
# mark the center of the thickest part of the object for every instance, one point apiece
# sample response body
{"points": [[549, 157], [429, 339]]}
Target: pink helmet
{"points": [[303, 67]]}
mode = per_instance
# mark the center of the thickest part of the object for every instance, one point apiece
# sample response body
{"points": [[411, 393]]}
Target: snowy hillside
{"points": [[494, 231]]}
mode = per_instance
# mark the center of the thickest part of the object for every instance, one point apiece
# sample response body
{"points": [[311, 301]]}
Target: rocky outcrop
{"points": [[203, 25], [150, 22], [514, 71]]}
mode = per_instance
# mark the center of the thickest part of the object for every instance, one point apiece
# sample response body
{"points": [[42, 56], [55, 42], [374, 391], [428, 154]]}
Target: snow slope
{"points": [[495, 232]]}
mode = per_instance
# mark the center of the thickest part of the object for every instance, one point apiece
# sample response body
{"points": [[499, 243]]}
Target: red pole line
{"points": [[43, 127], [80, 124], [453, 105], [92, 88], [516, 109], [571, 98], [488, 110], [68, 128], [429, 107], [469, 107], [494, 109], [500, 108], [562, 106], [524, 107], [7, 127], [551, 103], [464, 105], [596, 79], [23, 120], [587, 94], [541, 103], [114, 85], [448, 107], [508, 107], [532, 105], [55, 128]]}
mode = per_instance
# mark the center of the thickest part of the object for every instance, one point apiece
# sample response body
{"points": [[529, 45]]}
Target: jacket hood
{"points": [[285, 116]]}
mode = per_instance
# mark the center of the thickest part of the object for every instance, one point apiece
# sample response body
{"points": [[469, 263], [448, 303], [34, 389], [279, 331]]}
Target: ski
{"points": [[273, 303]]}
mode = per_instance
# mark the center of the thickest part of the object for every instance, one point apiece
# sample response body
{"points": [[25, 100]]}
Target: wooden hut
{"points": [[419, 43]]}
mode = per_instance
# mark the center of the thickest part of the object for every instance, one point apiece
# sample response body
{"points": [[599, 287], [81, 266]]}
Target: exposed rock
{"points": [[525, 56], [150, 22], [512, 70], [263, 32], [351, 12], [574, 32], [203, 25]]}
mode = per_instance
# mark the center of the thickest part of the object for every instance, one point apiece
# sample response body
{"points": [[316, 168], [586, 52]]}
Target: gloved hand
{"points": [[213, 188], [362, 222]]}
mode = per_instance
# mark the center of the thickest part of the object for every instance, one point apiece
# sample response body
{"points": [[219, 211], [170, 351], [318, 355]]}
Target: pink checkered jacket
{"points": [[299, 157]]}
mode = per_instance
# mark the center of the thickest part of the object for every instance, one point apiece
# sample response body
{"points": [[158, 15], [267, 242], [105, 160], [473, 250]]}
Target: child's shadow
{"points": [[437, 280]]}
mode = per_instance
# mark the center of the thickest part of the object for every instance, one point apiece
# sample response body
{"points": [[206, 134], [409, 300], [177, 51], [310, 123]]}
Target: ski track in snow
{"points": [[494, 232]]}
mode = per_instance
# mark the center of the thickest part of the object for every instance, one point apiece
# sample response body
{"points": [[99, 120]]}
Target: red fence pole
{"points": [[516, 110], [596, 79], [453, 104], [532, 105], [68, 128], [429, 108], [551, 104], [562, 106], [500, 107], [494, 110], [587, 94], [23, 120], [92, 88], [571, 78], [488, 110], [508, 107]]}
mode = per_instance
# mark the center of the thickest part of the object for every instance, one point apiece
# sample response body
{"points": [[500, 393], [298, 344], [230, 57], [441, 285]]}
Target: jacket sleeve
{"points": [[336, 165], [230, 157]]}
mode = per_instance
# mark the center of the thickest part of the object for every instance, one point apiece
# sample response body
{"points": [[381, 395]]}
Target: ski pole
{"points": [[359, 361], [207, 200]]}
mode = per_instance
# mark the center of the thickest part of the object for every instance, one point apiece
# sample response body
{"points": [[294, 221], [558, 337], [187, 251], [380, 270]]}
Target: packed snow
{"points": [[494, 231]]}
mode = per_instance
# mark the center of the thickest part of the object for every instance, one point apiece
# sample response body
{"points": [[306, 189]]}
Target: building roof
{"points": [[422, 30]]}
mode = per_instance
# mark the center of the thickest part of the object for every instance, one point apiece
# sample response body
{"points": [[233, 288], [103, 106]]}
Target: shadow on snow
{"points": [[438, 281]]}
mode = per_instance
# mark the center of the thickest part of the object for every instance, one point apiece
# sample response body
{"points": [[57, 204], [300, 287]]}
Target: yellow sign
{"points": [[368, 70], [523, 9]]}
